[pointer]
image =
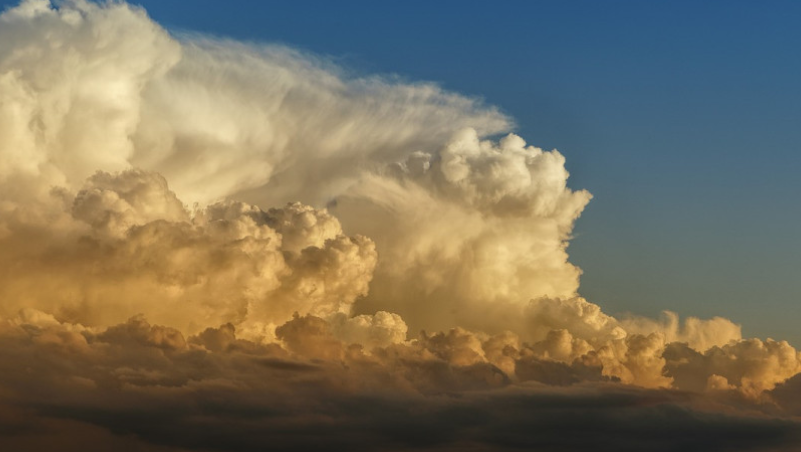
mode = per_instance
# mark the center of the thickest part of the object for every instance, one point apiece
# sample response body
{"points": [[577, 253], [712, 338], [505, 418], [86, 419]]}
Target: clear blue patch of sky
{"points": [[681, 117]]}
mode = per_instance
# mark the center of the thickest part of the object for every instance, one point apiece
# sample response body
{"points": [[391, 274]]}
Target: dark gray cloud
{"points": [[142, 387]]}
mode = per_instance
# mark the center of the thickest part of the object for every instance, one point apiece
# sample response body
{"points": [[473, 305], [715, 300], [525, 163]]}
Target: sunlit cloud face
{"points": [[209, 245]]}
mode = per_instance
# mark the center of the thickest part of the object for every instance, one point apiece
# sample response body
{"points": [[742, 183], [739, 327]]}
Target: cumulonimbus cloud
{"points": [[187, 220]]}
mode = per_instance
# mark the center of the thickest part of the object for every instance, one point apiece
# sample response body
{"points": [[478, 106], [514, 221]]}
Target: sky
{"points": [[550, 226], [679, 117]]}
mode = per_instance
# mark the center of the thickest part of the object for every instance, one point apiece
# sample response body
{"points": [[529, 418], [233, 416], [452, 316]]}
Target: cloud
{"points": [[209, 245], [149, 386], [130, 247], [468, 233], [752, 365]]}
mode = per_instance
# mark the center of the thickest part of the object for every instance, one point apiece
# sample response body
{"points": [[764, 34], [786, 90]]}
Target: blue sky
{"points": [[682, 118]]}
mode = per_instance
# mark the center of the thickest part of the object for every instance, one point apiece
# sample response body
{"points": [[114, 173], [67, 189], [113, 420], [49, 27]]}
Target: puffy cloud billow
{"points": [[216, 246]]}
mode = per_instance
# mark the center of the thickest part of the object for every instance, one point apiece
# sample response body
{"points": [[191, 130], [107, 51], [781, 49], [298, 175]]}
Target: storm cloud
{"points": [[210, 245]]}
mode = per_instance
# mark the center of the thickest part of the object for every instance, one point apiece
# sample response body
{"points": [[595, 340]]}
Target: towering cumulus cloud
{"points": [[208, 245]]}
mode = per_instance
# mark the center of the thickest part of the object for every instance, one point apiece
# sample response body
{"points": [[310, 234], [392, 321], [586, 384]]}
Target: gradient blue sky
{"points": [[682, 118]]}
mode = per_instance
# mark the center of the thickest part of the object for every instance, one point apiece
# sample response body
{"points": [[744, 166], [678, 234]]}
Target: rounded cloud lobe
{"points": [[202, 235]]}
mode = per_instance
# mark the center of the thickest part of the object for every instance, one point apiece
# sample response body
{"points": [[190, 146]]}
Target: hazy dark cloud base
{"points": [[617, 419], [129, 389]]}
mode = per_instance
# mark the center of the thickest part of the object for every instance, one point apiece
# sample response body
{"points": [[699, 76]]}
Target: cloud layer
{"points": [[209, 245]]}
